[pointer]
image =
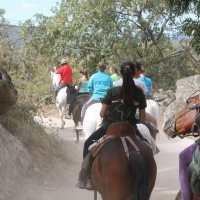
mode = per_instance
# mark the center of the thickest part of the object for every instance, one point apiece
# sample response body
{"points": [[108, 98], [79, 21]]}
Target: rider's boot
{"points": [[84, 179], [53, 101], [68, 116], [89, 184]]}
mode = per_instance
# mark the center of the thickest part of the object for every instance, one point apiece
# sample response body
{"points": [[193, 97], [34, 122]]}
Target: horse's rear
{"points": [[78, 108], [117, 178]]}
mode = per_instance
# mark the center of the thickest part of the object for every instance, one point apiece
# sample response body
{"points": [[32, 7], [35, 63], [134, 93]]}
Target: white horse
{"points": [[153, 109], [61, 98], [92, 121]]}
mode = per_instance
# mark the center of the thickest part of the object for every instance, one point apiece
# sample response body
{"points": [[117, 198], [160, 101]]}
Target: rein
{"points": [[173, 121], [195, 162]]}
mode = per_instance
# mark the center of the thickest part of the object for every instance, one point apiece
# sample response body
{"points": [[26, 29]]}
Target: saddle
{"points": [[79, 97], [118, 129], [196, 198]]}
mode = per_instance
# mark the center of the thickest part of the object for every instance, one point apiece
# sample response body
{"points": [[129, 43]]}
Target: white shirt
{"points": [[139, 83]]}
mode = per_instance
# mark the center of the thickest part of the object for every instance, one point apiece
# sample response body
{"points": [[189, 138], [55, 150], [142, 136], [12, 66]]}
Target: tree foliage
{"points": [[87, 31], [190, 10]]}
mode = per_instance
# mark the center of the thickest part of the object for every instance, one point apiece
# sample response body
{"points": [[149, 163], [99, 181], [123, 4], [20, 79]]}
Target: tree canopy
{"points": [[190, 11], [87, 31]]}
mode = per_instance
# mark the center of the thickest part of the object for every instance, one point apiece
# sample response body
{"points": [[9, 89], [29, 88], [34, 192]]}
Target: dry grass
{"points": [[46, 149]]}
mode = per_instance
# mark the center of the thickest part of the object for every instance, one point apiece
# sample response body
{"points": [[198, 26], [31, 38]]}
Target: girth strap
{"points": [[123, 139]]}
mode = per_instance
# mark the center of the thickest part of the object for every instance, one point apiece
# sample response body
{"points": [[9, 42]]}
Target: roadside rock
{"points": [[14, 161]]}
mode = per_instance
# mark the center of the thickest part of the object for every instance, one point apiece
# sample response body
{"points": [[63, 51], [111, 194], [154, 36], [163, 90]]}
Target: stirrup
{"points": [[68, 117]]}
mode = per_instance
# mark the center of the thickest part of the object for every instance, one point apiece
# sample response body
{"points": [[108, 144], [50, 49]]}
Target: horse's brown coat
{"points": [[112, 174]]}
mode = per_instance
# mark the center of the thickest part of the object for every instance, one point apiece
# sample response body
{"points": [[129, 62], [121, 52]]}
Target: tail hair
{"points": [[140, 177]]}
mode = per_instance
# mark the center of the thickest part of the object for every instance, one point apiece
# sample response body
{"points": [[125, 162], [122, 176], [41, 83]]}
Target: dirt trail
{"points": [[62, 187]]}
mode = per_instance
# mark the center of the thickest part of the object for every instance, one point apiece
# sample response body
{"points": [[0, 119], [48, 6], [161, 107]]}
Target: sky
{"points": [[21, 10]]}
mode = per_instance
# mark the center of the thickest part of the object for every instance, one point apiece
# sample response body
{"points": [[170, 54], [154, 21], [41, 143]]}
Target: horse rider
{"points": [[185, 158], [98, 85], [152, 127], [135, 78], [114, 74], [66, 77], [148, 83], [82, 88], [119, 104]]}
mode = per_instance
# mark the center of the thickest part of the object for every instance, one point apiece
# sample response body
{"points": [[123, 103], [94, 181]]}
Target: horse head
{"points": [[186, 121], [194, 171], [55, 79]]}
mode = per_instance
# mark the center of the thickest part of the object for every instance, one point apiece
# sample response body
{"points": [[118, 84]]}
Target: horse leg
{"points": [[61, 110], [77, 135]]}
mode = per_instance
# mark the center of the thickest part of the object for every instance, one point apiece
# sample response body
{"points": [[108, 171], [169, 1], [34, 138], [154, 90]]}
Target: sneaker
{"points": [[89, 185], [53, 101], [79, 127], [68, 117]]}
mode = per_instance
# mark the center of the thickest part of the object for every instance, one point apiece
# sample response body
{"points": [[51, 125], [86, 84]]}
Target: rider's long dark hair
{"points": [[129, 89], [84, 72]]}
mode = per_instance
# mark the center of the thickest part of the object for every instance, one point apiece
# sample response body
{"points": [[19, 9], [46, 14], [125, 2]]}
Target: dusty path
{"points": [[166, 187]]}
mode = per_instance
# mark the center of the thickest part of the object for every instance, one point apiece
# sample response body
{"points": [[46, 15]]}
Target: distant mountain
{"points": [[14, 34]]}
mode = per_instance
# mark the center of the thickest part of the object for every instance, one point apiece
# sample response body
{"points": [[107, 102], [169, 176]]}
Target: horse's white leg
{"points": [[60, 110], [61, 104], [92, 119]]}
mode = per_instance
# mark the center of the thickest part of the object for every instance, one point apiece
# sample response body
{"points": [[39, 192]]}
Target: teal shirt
{"points": [[147, 82], [98, 85], [84, 87]]}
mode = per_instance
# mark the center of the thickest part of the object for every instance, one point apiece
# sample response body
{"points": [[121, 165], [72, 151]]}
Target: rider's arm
{"points": [[141, 115], [103, 110], [55, 69], [79, 84]]}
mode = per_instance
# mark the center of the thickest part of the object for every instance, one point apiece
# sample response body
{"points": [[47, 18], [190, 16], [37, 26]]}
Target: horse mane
{"points": [[55, 78]]}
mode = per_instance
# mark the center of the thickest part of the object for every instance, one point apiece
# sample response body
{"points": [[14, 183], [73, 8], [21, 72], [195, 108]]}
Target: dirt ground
{"points": [[61, 184]]}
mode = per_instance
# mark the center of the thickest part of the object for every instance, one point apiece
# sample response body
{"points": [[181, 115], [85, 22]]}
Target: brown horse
{"points": [[76, 113], [184, 122], [76, 102], [124, 168], [194, 173]]}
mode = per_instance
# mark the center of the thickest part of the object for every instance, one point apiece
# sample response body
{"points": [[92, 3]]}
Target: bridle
{"points": [[172, 123]]}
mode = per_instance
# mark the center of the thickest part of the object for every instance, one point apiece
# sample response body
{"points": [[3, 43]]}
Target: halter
{"points": [[173, 122]]}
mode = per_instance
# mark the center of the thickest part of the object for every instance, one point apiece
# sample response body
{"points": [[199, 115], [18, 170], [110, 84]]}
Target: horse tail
{"points": [[140, 177]]}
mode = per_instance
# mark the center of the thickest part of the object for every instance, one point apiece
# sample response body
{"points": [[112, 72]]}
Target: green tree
{"points": [[190, 11], [87, 31]]}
